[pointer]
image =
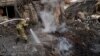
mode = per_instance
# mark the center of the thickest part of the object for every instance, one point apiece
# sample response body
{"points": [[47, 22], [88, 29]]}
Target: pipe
{"points": [[7, 21]]}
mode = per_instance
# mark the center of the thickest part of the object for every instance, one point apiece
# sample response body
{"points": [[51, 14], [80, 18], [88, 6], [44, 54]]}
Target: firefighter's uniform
{"points": [[22, 24], [21, 29]]}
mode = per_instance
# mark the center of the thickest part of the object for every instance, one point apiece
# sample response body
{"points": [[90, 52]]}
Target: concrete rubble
{"points": [[77, 34]]}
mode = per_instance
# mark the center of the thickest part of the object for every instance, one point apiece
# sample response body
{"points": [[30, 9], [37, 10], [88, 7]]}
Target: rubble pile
{"points": [[78, 33]]}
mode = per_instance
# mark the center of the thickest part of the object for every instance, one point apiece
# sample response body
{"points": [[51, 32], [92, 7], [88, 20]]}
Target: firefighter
{"points": [[23, 24]]}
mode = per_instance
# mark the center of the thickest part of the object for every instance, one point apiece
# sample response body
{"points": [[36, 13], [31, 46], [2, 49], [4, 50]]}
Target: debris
{"points": [[67, 28]]}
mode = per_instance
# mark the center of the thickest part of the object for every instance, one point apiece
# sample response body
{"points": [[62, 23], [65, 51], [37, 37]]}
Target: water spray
{"points": [[34, 37]]}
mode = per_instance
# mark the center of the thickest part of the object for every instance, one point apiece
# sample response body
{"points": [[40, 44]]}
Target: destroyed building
{"points": [[55, 27], [18, 8]]}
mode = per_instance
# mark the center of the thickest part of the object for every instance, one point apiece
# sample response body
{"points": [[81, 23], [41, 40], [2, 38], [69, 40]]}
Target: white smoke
{"points": [[64, 46], [47, 15], [50, 2], [73, 1], [63, 28], [48, 21]]}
